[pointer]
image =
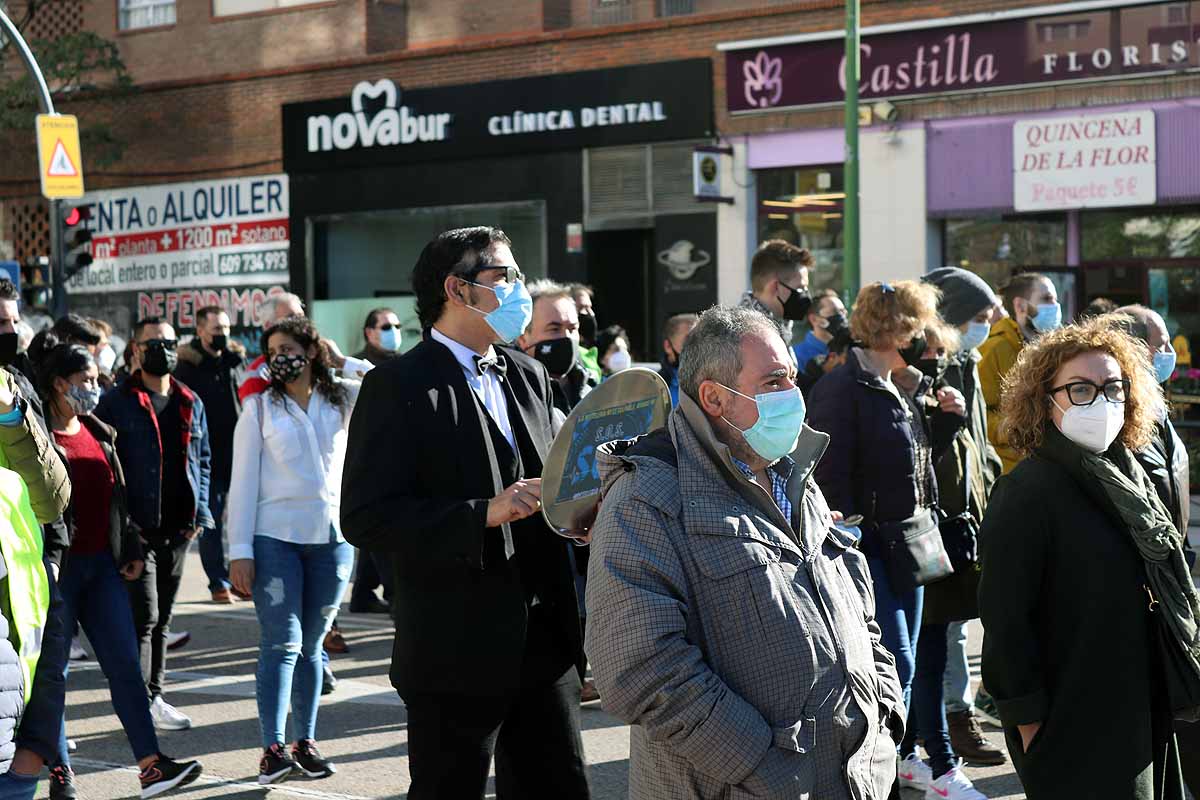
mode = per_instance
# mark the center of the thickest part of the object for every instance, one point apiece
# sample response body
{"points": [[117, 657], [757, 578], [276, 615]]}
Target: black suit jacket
{"points": [[418, 477]]}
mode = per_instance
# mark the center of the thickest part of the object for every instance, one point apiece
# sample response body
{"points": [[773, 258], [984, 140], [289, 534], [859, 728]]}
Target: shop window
{"points": [[804, 206], [1157, 233], [371, 254], [229, 8], [996, 247], [134, 14]]}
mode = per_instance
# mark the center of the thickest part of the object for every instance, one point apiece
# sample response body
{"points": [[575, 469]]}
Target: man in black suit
{"points": [[443, 471]]}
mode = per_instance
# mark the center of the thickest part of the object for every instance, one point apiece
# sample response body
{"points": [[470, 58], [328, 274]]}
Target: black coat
{"points": [[1069, 639], [215, 380], [417, 480], [1165, 460], [871, 466]]}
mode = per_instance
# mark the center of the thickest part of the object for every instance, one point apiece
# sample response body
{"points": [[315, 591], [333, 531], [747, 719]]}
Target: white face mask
{"points": [[1094, 427], [619, 360]]}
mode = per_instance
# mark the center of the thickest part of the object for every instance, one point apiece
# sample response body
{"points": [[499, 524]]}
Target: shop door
{"points": [[618, 269]]}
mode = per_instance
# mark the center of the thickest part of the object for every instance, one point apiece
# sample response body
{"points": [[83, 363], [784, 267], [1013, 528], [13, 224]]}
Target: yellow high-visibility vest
{"points": [[28, 584]]}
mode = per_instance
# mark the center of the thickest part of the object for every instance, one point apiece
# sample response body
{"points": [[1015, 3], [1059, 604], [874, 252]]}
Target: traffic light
{"points": [[76, 238]]}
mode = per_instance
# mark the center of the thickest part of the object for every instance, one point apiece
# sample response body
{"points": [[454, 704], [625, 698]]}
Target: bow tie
{"points": [[484, 363]]}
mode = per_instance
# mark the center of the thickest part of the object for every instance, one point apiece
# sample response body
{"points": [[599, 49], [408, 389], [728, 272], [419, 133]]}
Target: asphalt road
{"points": [[361, 726]]}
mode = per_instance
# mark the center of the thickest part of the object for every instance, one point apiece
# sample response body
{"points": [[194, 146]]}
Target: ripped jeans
{"points": [[297, 591]]}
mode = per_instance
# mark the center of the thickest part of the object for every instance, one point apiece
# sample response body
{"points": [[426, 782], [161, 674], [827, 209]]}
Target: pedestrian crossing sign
{"points": [[59, 160]]}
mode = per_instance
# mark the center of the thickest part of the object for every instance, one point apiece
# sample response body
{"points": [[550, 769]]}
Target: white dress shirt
{"points": [[486, 387], [287, 470]]}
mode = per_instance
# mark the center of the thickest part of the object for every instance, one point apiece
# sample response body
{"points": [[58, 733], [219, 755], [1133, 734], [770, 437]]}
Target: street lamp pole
{"points": [[851, 274], [46, 104]]}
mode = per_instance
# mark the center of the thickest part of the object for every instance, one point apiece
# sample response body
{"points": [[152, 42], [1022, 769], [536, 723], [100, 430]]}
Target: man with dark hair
{"points": [[553, 339], [381, 330], [779, 284], [213, 366], [675, 333], [74, 329], [463, 426], [826, 319], [1032, 305], [162, 434]]}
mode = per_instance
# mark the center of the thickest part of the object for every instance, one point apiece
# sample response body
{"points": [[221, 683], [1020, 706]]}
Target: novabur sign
{"points": [[1092, 161], [230, 232]]}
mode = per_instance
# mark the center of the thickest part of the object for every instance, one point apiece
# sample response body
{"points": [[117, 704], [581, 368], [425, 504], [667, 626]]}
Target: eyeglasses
{"points": [[511, 274], [168, 344], [387, 326], [1084, 393]]}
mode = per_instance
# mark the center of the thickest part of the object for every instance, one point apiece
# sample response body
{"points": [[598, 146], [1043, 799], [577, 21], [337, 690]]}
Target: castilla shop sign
{"points": [[972, 56], [1091, 161], [378, 123]]}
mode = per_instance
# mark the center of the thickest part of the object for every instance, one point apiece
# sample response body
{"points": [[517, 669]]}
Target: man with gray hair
{"points": [[729, 620]]}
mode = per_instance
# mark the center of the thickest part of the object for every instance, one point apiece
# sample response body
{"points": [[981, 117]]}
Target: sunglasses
{"points": [[387, 326]]}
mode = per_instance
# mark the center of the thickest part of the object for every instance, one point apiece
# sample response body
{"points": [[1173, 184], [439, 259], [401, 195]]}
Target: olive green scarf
{"points": [[1130, 491]]}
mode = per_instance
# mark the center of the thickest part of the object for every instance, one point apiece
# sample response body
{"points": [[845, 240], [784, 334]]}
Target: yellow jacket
{"points": [[999, 354]]}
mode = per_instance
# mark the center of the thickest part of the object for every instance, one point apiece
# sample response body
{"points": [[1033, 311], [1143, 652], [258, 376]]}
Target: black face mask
{"points": [[588, 329], [915, 351], [933, 367], [219, 343], [835, 324], [158, 360], [797, 305], [8, 348], [558, 355]]}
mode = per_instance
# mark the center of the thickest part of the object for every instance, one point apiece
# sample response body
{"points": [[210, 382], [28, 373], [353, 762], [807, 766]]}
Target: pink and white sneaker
{"points": [[914, 773], [954, 785]]}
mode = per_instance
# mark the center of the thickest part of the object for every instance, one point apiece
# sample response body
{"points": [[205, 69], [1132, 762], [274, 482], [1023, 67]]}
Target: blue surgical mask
{"points": [[82, 399], [1048, 318], [509, 319], [389, 339], [977, 333], [780, 418], [1164, 365]]}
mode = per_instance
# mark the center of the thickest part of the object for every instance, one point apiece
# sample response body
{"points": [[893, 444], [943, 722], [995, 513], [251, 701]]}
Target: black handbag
{"points": [[913, 551], [960, 533]]}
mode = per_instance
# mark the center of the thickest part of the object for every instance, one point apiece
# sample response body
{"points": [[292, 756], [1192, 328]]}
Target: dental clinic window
{"points": [[996, 247], [803, 206], [371, 254], [135, 14], [229, 8]]}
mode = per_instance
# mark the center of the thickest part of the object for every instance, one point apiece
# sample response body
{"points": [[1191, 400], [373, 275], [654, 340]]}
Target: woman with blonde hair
{"points": [[1091, 617], [887, 424]]}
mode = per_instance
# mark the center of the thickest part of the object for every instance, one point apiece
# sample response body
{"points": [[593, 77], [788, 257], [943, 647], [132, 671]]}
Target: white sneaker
{"points": [[914, 773], [77, 651], [954, 785], [167, 717]]}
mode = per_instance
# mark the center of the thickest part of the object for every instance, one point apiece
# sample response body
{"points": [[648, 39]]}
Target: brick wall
{"points": [[231, 124]]}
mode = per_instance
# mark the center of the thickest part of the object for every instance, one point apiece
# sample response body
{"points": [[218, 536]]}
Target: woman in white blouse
{"points": [[285, 540]]}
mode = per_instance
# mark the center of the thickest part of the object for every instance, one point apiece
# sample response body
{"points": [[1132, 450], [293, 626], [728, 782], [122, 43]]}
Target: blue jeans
{"points": [[927, 714], [94, 595], [212, 545], [297, 591], [899, 617], [957, 682], [17, 787]]}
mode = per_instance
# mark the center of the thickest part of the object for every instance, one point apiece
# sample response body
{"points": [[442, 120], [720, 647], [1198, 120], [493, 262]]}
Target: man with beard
{"points": [[1032, 305]]}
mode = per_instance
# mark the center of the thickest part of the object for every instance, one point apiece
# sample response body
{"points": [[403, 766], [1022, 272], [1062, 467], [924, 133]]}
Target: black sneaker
{"points": [[166, 774], [328, 681], [62, 783], [309, 760], [276, 765]]}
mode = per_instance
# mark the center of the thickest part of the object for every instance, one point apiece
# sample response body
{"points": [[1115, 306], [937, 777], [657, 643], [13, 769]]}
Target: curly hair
{"points": [[305, 334], [886, 313], [1024, 407]]}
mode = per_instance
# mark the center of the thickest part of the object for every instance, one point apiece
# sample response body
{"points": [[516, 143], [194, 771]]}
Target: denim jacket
{"points": [[128, 409]]}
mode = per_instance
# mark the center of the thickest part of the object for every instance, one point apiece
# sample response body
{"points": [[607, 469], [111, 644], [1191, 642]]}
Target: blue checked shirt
{"points": [[779, 473]]}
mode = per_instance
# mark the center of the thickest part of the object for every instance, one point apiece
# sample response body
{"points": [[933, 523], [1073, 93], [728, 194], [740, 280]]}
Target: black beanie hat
{"points": [[964, 294]]}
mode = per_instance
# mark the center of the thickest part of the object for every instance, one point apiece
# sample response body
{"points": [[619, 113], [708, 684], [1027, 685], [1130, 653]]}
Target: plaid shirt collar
{"points": [[779, 473]]}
